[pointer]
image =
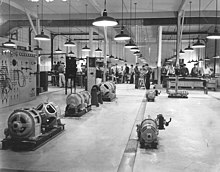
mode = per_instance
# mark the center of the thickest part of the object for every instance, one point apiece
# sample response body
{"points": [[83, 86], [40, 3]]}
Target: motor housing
{"points": [[148, 131]]}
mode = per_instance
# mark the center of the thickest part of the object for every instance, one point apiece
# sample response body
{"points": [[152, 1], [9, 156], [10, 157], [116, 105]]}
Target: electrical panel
{"points": [[17, 76]]}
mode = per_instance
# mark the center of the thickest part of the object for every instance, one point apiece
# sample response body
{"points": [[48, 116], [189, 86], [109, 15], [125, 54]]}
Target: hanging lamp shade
{"points": [[86, 48], [198, 44], [189, 49], [207, 59], [200, 60], [98, 50], [58, 50], [214, 35], [69, 43], [111, 56], [71, 53], [42, 37], [134, 49], [181, 52], [136, 53], [130, 44], [216, 57], [37, 48], [9, 43], [122, 36], [105, 20]]}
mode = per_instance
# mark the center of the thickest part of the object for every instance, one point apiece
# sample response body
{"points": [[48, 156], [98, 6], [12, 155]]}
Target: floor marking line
{"points": [[129, 155]]}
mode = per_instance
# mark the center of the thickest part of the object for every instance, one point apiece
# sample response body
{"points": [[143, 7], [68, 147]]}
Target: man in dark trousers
{"points": [[147, 76], [137, 76], [126, 73], [132, 75]]}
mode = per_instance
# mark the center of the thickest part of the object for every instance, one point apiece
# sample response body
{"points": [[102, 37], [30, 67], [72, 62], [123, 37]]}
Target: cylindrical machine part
{"points": [[24, 123], [87, 97], [149, 130], [150, 95]]}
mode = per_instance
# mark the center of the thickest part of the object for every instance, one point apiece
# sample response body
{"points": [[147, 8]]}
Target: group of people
{"points": [[196, 71], [132, 75], [58, 71]]}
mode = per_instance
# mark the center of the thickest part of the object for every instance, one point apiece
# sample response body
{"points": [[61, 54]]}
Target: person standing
{"points": [[126, 73], [147, 76], [137, 76], [132, 75], [61, 75]]}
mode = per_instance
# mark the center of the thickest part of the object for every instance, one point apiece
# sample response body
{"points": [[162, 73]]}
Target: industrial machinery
{"points": [[108, 90], [96, 95], [78, 104], [177, 93], [29, 128], [150, 95], [148, 131]]}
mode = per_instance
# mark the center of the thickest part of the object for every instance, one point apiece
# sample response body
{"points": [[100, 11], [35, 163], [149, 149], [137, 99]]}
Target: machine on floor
{"points": [[108, 90], [96, 95], [148, 131], [151, 94], [30, 128], [77, 104]]}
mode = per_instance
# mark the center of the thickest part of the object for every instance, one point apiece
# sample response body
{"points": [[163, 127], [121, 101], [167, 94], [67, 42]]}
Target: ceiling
{"points": [[149, 14]]}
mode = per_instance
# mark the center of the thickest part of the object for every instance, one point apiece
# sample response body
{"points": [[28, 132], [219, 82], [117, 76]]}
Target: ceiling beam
{"points": [[184, 33], [182, 7], [23, 9]]}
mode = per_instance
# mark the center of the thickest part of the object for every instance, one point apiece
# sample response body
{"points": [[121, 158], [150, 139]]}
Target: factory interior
{"points": [[109, 85]]}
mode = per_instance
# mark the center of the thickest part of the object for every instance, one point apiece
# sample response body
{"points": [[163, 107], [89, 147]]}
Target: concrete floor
{"points": [[96, 142]]}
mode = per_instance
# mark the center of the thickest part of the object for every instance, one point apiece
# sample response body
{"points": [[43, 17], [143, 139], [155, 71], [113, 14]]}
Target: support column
{"points": [[78, 50], [91, 41], [105, 53], [51, 48], [159, 52], [216, 42], [38, 62]]}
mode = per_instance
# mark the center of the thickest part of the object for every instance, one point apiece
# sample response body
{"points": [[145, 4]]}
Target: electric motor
{"points": [[150, 95], [104, 88], [75, 101], [87, 97], [148, 131], [24, 123]]}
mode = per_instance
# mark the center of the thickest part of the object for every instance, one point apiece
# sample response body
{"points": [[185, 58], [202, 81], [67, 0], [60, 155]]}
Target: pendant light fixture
{"points": [[69, 42], [116, 51], [86, 48], [58, 50], [189, 48], [122, 36], [42, 36], [37, 48], [130, 44], [199, 44], [105, 20], [71, 53], [9, 43], [98, 50], [216, 34], [181, 52], [135, 49]]}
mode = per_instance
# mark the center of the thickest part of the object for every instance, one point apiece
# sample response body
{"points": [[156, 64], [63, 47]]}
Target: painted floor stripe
{"points": [[128, 158]]}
